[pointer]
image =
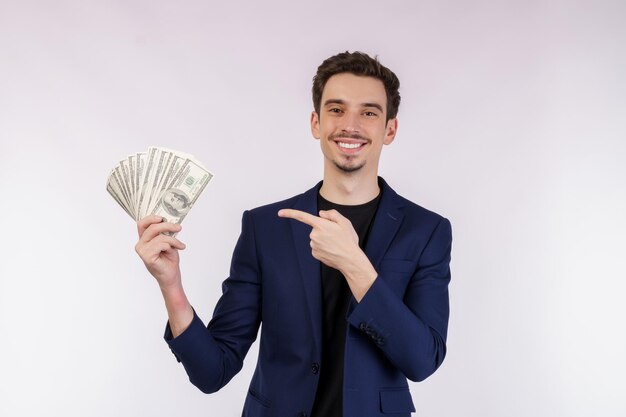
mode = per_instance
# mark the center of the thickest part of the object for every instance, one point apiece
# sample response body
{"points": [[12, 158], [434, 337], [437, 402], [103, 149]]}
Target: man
{"points": [[349, 279]]}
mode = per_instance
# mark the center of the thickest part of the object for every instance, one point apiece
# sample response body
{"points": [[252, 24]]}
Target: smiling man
{"points": [[355, 123], [349, 279]]}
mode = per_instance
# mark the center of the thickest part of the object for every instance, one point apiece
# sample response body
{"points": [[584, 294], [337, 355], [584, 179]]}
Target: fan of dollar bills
{"points": [[159, 181]]}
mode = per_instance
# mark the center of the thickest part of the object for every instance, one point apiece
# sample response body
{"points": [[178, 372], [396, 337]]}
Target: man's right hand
{"points": [[158, 251]]}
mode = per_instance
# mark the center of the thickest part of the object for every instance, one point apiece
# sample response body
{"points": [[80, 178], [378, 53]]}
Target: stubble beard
{"points": [[347, 167]]}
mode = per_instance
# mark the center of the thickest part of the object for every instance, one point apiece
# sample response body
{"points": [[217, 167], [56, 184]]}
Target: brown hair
{"points": [[357, 63]]}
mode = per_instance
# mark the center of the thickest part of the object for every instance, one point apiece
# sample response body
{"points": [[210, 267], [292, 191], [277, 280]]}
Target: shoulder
{"points": [[416, 219], [272, 208], [416, 211], [264, 222], [409, 208]]}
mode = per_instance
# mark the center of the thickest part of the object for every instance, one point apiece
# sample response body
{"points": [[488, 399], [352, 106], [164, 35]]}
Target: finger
{"points": [[332, 215], [160, 248], [171, 241], [161, 243], [156, 229], [301, 216], [154, 251], [144, 223]]}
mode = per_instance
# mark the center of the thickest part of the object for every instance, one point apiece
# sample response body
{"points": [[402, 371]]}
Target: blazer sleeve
{"points": [[411, 330], [212, 355]]}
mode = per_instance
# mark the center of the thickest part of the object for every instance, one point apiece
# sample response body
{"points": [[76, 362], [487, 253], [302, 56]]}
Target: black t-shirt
{"points": [[336, 298]]}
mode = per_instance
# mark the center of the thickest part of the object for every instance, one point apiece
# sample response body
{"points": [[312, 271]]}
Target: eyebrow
{"points": [[339, 101]]}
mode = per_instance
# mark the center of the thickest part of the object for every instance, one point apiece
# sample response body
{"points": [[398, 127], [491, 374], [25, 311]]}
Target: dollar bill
{"points": [[160, 181], [179, 196]]}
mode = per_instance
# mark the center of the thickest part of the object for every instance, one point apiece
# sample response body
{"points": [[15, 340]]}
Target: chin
{"points": [[348, 168]]}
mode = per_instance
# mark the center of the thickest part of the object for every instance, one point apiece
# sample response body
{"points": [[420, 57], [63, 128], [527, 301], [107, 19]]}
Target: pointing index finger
{"points": [[301, 216]]}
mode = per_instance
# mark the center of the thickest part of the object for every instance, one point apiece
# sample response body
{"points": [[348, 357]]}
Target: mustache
{"points": [[349, 136]]}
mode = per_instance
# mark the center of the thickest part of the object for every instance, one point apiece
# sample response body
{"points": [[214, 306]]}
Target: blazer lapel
{"points": [[386, 224], [310, 269], [384, 228]]}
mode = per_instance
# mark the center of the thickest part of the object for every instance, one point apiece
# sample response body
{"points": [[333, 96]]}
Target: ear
{"points": [[315, 125], [390, 131]]}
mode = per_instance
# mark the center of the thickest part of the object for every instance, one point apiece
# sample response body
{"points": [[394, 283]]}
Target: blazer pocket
{"points": [[397, 274], [396, 401]]}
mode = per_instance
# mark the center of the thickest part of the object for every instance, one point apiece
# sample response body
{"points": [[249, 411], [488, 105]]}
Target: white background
{"points": [[512, 125]]}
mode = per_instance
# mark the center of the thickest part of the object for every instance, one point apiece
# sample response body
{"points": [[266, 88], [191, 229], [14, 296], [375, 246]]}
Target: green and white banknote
{"points": [[159, 181]]}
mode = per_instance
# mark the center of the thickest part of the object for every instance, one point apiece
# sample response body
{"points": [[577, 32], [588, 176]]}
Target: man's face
{"points": [[351, 125]]}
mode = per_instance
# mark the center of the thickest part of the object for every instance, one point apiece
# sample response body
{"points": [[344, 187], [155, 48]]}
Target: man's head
{"points": [[356, 102], [361, 64]]}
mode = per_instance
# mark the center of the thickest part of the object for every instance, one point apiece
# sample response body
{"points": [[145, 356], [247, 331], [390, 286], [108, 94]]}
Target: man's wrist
{"points": [[175, 298], [360, 275], [179, 310]]}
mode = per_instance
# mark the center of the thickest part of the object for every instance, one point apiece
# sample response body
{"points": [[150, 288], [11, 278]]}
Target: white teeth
{"points": [[349, 145]]}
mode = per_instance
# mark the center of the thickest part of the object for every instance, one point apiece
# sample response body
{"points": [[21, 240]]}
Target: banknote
{"points": [[159, 181]]}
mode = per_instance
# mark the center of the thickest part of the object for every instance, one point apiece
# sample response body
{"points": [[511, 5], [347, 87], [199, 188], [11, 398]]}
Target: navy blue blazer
{"points": [[397, 331]]}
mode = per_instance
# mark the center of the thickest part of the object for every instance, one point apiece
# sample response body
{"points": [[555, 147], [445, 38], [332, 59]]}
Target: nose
{"points": [[351, 122]]}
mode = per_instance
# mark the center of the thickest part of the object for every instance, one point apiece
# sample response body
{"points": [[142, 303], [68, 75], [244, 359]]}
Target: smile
{"points": [[349, 145]]}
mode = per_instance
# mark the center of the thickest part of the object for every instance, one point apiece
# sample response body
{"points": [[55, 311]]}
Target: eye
{"points": [[370, 114], [334, 110]]}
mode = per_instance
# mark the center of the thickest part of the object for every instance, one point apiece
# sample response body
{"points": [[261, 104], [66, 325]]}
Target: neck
{"points": [[349, 188]]}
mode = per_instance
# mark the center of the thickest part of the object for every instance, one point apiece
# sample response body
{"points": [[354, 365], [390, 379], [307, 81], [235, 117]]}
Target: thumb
{"points": [[332, 215]]}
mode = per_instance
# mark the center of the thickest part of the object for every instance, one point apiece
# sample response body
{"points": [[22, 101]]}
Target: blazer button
{"points": [[315, 367], [362, 325]]}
